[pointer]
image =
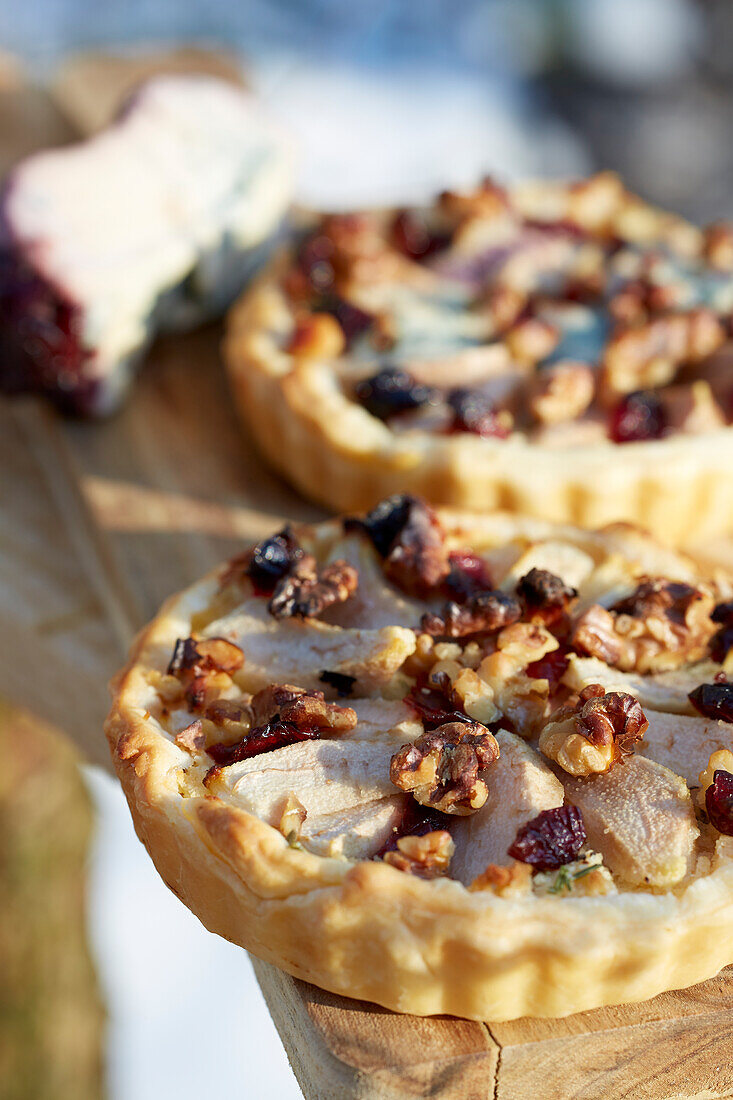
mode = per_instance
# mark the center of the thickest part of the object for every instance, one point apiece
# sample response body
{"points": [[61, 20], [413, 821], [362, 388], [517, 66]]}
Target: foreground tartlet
{"points": [[556, 349], [473, 765]]}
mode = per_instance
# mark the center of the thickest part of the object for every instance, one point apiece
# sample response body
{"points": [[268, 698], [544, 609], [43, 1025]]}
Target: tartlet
{"points": [[445, 763], [560, 350]]}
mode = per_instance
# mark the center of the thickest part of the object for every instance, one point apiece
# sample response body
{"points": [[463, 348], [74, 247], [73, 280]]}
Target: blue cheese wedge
{"points": [[151, 225]]}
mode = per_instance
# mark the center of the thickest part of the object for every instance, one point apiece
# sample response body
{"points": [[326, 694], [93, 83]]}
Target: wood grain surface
{"points": [[102, 521]]}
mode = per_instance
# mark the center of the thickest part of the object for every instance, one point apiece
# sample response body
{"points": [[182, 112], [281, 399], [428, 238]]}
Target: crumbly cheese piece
{"points": [[144, 226]]}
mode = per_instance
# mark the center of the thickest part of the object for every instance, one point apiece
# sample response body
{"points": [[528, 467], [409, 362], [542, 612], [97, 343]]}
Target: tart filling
{"points": [[503, 713], [562, 316], [559, 350]]}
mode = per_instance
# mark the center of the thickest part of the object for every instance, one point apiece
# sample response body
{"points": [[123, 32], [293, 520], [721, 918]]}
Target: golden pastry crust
{"points": [[368, 930], [334, 451]]}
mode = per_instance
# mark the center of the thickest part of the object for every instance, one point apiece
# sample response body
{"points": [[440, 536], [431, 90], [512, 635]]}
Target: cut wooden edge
{"points": [[673, 1047], [340, 1048]]}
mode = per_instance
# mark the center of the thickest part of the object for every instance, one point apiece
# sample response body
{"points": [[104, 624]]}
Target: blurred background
{"points": [[389, 100], [400, 96]]}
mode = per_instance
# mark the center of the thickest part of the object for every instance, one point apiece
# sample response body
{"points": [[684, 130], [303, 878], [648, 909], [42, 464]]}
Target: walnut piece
{"points": [[316, 336], [562, 391], [593, 731], [203, 667], [661, 625], [304, 709], [306, 591], [482, 613], [645, 355], [192, 738], [227, 720], [505, 882], [281, 715], [441, 768], [531, 339], [545, 596], [427, 856], [520, 696], [719, 246], [461, 686]]}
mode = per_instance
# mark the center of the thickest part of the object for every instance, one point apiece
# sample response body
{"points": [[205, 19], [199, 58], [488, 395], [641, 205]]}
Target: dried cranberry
{"points": [[271, 560], [723, 613], [343, 684], [273, 735], [385, 522], [407, 534], [713, 701], [551, 839], [412, 235], [353, 320], [551, 667], [392, 391], [469, 574], [474, 412], [719, 802], [722, 642], [639, 416], [41, 347]]}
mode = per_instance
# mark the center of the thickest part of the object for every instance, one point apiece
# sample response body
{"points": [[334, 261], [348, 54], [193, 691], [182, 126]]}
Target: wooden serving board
{"points": [[100, 522]]}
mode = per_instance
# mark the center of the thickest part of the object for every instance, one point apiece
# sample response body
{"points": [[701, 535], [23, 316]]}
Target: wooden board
{"points": [[100, 523]]}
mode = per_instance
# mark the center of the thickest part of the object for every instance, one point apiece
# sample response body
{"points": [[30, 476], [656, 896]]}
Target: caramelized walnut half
{"points": [[427, 856], [482, 613], [593, 731], [306, 591], [441, 768], [645, 355], [281, 715], [661, 625], [407, 534], [302, 708]]}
